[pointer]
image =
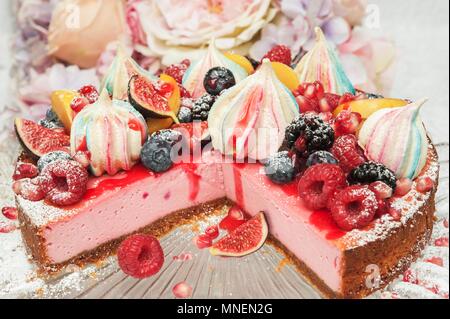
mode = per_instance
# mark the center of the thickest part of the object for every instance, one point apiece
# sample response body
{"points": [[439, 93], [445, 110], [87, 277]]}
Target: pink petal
{"points": [[337, 30]]}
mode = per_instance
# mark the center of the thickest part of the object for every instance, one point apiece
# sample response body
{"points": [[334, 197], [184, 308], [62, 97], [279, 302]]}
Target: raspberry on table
{"points": [[354, 207], [140, 256], [319, 184], [348, 153], [280, 53]]}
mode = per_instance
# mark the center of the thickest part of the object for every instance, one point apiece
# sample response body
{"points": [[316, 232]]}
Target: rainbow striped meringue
{"points": [[119, 74], [322, 64], [194, 76], [397, 138], [112, 131], [250, 119]]}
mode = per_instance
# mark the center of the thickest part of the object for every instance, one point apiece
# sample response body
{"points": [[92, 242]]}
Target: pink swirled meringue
{"points": [[113, 133], [397, 138], [322, 64], [250, 119], [193, 79]]}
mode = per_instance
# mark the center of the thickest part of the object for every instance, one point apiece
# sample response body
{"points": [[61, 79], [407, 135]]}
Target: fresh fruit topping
{"points": [[233, 220], [312, 97], [244, 62], [155, 125], [201, 107], [425, 184], [404, 186], [182, 290], [348, 153], [244, 240], [381, 190], [286, 75], [177, 71], [280, 53], [354, 207], [319, 184], [347, 123], [254, 63], [371, 172], [78, 104], [10, 212], [140, 256], [90, 93], [280, 168], [83, 158], [196, 133], [184, 93], [321, 157], [52, 157], [51, 120], [203, 241], [185, 115], [25, 170], [395, 213], [212, 232], [61, 101], [34, 189], [161, 99], [217, 80], [6, 228], [38, 140], [317, 135], [367, 107], [156, 154], [70, 182]]}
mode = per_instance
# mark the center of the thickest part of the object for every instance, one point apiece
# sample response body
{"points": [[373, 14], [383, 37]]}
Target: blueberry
{"points": [[280, 168], [185, 115], [217, 80], [52, 157], [321, 157], [51, 120], [156, 154]]}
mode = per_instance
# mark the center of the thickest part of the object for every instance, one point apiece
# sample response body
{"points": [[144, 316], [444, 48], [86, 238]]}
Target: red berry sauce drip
{"points": [[324, 222], [238, 187]]}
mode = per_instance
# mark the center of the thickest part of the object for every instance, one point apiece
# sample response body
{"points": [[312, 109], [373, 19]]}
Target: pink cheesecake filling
{"points": [[289, 220], [124, 210]]}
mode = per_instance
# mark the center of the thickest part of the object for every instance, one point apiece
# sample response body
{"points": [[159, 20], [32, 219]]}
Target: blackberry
{"points": [[280, 168], [217, 80], [371, 172], [156, 154], [51, 120], [185, 115], [52, 157], [311, 132], [202, 106], [321, 157]]}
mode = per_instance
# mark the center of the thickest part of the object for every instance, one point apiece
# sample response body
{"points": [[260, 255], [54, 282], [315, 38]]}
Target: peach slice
{"points": [[175, 99], [242, 61], [369, 106], [61, 100], [286, 75]]}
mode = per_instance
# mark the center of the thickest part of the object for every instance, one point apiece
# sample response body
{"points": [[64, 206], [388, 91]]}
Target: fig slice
{"points": [[244, 240]]}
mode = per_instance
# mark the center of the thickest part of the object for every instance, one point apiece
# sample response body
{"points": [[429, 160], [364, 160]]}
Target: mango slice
{"points": [[286, 75], [369, 106], [242, 61], [61, 100], [175, 99]]}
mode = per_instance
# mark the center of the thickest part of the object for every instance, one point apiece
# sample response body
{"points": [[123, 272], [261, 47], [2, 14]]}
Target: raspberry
{"points": [[404, 186], [25, 170], [90, 93], [177, 71], [348, 153], [354, 207], [140, 256], [425, 184], [233, 220], [319, 183], [10, 212], [347, 123], [70, 182], [34, 189], [280, 53]]}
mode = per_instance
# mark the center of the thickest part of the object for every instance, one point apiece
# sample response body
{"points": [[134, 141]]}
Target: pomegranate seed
{"points": [[78, 104], [326, 116], [319, 90], [10, 212], [6, 228], [182, 290], [395, 213], [382, 190], [410, 277], [425, 184], [325, 106], [203, 241], [235, 212], [90, 93], [212, 232], [347, 123], [346, 98], [436, 260], [83, 157], [441, 242], [25, 170], [404, 186]]}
